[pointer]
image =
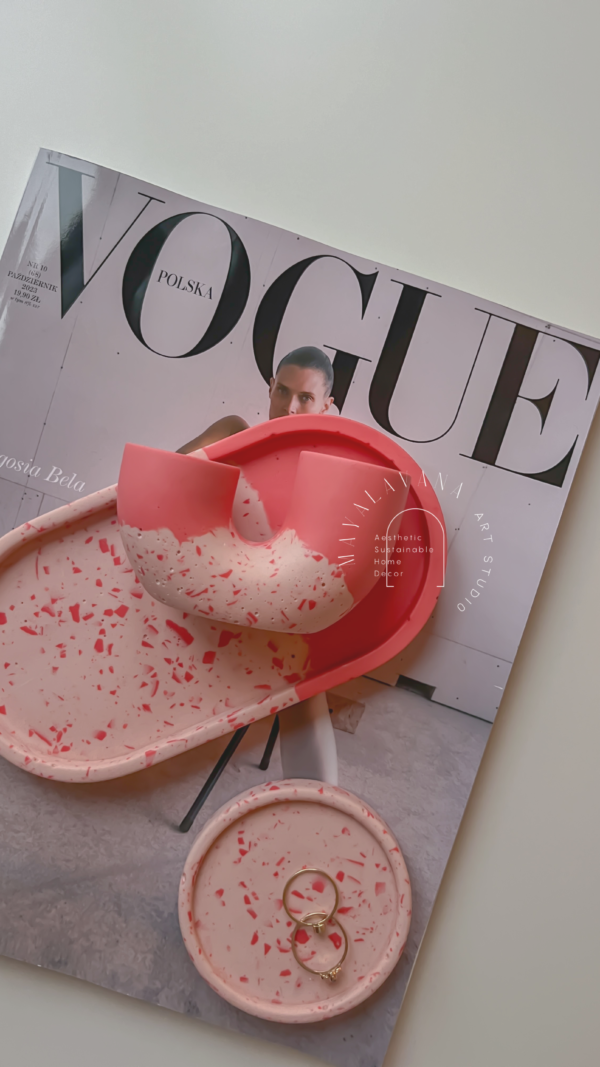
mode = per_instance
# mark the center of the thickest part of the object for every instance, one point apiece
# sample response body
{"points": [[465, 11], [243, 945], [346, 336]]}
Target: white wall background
{"points": [[459, 140]]}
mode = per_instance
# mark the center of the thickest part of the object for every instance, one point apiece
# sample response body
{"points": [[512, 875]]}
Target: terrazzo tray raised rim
{"points": [[328, 796]]}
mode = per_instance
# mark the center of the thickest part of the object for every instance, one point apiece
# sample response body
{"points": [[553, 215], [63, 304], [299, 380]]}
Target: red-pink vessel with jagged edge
{"points": [[184, 547]]}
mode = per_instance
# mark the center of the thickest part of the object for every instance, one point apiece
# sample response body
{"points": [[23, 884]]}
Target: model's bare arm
{"points": [[224, 427]]}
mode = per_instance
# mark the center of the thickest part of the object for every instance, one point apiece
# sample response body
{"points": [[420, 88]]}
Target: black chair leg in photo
{"points": [[265, 761], [212, 779]]}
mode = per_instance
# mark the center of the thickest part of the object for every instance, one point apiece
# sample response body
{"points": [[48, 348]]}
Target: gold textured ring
{"points": [[331, 974], [319, 926]]}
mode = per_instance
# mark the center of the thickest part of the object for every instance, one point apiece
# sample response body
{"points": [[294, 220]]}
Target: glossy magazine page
{"points": [[130, 314]]}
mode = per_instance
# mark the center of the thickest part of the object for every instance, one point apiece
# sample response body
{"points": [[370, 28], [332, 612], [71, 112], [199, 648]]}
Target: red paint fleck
{"points": [[302, 937], [284, 974], [180, 631], [254, 938], [312, 604], [198, 550], [379, 888], [225, 637], [146, 707], [267, 948], [74, 609], [243, 978], [226, 574], [219, 892], [42, 738], [291, 679], [99, 646], [272, 646], [103, 544], [2, 618], [335, 939], [100, 735], [28, 630], [209, 657], [318, 886], [340, 876], [122, 611], [344, 911], [345, 830], [251, 912], [2, 709]]}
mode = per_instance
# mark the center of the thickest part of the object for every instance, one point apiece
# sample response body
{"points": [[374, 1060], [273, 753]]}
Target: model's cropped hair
{"points": [[313, 358]]}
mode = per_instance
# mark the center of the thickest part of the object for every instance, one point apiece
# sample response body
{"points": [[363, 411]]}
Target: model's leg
{"points": [[307, 741]]}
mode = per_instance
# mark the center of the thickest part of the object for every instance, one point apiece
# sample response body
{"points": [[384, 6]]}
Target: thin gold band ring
{"points": [[320, 926], [332, 973]]}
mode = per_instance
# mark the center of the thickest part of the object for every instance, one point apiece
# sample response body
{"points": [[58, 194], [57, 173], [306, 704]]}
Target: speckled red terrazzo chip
{"points": [[235, 928]]}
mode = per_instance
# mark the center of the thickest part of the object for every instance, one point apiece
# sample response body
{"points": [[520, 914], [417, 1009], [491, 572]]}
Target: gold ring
{"points": [[331, 974], [319, 926]]}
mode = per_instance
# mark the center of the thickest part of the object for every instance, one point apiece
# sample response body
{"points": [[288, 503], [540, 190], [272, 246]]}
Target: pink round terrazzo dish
{"points": [[231, 913]]}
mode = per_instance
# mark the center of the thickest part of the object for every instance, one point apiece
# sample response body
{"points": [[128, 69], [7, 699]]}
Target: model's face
{"points": [[298, 391]]}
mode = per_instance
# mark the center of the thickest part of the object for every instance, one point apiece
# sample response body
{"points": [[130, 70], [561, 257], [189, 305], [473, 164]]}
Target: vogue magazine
{"points": [[132, 315]]}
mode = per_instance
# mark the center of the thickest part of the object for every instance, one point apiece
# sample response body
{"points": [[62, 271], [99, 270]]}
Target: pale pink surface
{"points": [[97, 679], [231, 912], [281, 585]]}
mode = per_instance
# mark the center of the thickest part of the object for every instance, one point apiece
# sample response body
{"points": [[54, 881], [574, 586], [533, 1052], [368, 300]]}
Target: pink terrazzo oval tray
{"points": [[231, 914], [98, 679]]}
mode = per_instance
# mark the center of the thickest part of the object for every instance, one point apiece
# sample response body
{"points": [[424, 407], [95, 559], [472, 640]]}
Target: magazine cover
{"points": [[135, 319]]}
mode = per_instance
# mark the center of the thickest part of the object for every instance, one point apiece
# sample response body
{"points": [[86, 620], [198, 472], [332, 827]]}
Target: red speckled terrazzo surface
{"points": [[231, 911], [98, 679]]}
